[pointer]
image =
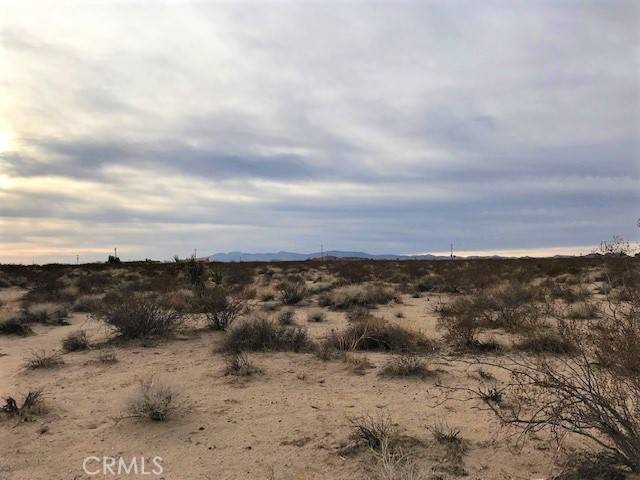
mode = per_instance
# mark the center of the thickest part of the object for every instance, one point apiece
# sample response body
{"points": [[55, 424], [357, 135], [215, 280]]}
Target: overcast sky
{"points": [[387, 127]]}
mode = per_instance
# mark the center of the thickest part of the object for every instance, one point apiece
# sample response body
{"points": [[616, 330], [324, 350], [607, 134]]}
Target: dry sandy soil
{"points": [[290, 422]]}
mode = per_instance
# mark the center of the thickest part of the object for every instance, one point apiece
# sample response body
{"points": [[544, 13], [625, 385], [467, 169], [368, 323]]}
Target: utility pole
{"points": [[77, 259], [321, 253], [115, 252], [452, 251]]}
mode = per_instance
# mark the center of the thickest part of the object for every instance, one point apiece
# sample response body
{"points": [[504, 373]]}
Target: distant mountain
{"points": [[292, 256]]}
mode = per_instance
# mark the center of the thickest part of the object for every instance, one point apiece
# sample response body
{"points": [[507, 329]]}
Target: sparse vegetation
{"points": [[75, 341], [239, 365], [15, 326], [316, 316], [155, 401], [139, 316], [260, 333], [405, 365], [43, 359]]}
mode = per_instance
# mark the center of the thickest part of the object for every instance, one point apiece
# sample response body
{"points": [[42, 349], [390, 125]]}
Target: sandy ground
{"points": [[289, 423]]}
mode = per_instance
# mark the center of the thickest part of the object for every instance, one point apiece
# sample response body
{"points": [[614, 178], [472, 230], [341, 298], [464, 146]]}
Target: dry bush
{"points": [[556, 341], [349, 296], [574, 395], [41, 359], [15, 326], [287, 317], [357, 364], [405, 365], [87, 303], [316, 316], [445, 435], [378, 334], [587, 466], [31, 403], [292, 292], [182, 300], [75, 341], [395, 465], [258, 333], [583, 310], [46, 314], [462, 319], [221, 309], [358, 313], [108, 357], [155, 401], [139, 316], [372, 431], [239, 365]]}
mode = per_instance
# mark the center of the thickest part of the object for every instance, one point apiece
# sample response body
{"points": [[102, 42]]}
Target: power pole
{"points": [[115, 252], [77, 259], [452, 251], [321, 253]]}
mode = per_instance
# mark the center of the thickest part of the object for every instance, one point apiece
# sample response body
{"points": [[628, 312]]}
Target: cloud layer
{"points": [[385, 127]]}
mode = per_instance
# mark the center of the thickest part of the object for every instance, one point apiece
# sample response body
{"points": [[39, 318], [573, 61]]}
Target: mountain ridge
{"points": [[283, 256]]}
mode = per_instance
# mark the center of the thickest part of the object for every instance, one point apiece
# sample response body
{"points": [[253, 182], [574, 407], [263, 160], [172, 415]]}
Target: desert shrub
{"points": [[461, 319], [287, 317], [239, 365], [357, 364], [615, 338], [46, 313], [316, 316], [196, 273], [182, 300], [31, 403], [431, 283], [75, 341], [139, 316], [358, 313], [548, 341], [371, 431], [15, 326], [87, 303], [107, 356], [405, 365], [349, 296], [155, 401], [221, 309], [587, 466], [43, 359], [259, 333], [292, 292], [377, 334], [573, 394], [446, 435], [583, 310]]}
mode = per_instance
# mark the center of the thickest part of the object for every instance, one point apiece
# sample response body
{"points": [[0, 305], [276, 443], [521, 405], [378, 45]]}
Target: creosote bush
{"points": [[221, 309], [15, 326], [349, 296], [258, 333], [139, 316], [378, 334]]}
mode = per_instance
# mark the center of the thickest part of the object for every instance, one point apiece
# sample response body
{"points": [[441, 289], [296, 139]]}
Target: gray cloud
{"points": [[385, 127]]}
